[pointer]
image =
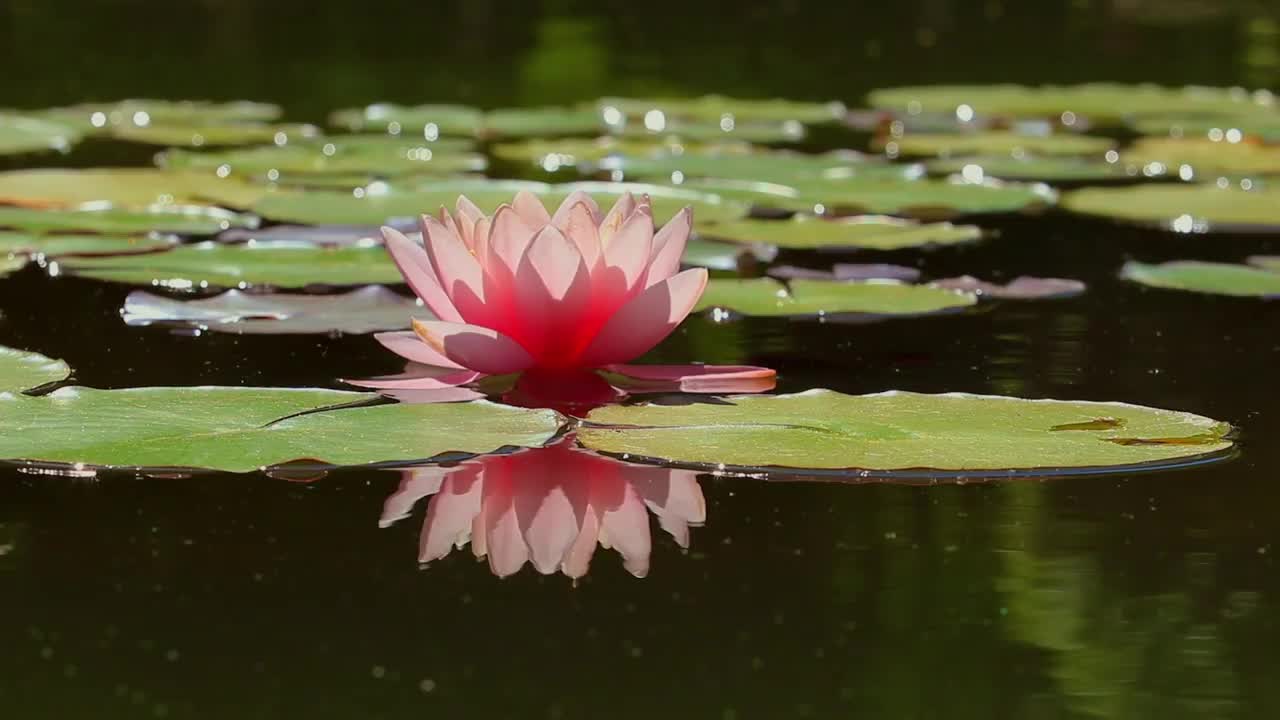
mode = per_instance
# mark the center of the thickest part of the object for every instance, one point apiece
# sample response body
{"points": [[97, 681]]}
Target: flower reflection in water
{"points": [[548, 507]]}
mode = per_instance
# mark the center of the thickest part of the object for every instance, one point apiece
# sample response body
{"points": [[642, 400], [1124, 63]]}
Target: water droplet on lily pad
{"points": [[21, 370], [902, 431], [23, 134], [366, 310], [994, 142]]}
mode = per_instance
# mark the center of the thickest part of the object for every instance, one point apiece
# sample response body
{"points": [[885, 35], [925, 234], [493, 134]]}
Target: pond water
{"points": [[1121, 595]]}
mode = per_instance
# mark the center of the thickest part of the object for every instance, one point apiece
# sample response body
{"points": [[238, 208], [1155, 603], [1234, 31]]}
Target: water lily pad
{"points": [[716, 255], [725, 130], [1022, 287], [141, 113], [715, 108], [1096, 101], [901, 430], [1182, 208], [366, 310], [185, 220], [60, 245], [20, 370], [358, 158], [212, 134], [11, 263], [332, 235], [1205, 156], [1266, 262], [418, 121], [542, 122], [134, 188], [848, 271], [993, 142], [331, 208], [1249, 126], [240, 429], [214, 264], [1034, 167], [872, 232], [732, 163], [1206, 277], [926, 199], [20, 134], [580, 154], [770, 298]]}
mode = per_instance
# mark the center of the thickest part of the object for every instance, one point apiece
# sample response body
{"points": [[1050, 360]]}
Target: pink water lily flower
{"points": [[525, 290]]}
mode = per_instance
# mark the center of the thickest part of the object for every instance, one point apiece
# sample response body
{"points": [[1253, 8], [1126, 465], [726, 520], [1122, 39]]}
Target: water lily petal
{"points": [[552, 290], [457, 269], [423, 377], [668, 246], [409, 346], [625, 528], [503, 541], [509, 238], [626, 257], [530, 209], [580, 228], [474, 347], [451, 513], [415, 265], [646, 319], [698, 378], [549, 522], [575, 197], [621, 210], [432, 396]]}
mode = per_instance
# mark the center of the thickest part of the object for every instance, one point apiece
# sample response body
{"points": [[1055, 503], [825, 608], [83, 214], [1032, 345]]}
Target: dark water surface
{"points": [[1125, 596]]}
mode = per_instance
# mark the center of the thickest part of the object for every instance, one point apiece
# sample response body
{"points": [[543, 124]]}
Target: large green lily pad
{"points": [[724, 130], [214, 264], [1096, 101], [1205, 156], [873, 232], [926, 199], [331, 208], [728, 256], [582, 154], [901, 430], [54, 246], [103, 115], [417, 121], [994, 142], [359, 156], [239, 429], [185, 220], [212, 134], [21, 370], [733, 163], [714, 108], [20, 134], [542, 122], [1184, 208], [809, 298], [1034, 167], [1206, 277], [364, 310], [133, 188], [1250, 126], [1266, 262]]}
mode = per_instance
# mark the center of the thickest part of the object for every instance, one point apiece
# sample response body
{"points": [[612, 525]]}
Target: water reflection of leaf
{"points": [[549, 507]]}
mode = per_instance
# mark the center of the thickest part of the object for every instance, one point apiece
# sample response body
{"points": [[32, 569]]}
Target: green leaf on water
{"points": [[1046, 169], [411, 122], [925, 199], [21, 370], [213, 264], [184, 220], [131, 188], [1204, 156], [1266, 262], [810, 298], [141, 113], [208, 134], [367, 156], [716, 108], [53, 246], [1206, 277], [1264, 127], [364, 310], [728, 256], [542, 122], [872, 232], [21, 134], [993, 142], [240, 429], [902, 430], [1100, 102], [1183, 208]]}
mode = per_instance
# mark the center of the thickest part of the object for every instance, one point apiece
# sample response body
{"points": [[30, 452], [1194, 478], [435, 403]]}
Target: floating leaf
{"points": [[1048, 169], [901, 431], [357, 158], [184, 220], [329, 208], [142, 113], [724, 130], [1182, 208], [1266, 262], [20, 370], [214, 264], [926, 199], [775, 166], [1096, 101], [212, 134], [700, 252], [366, 310], [20, 134], [542, 122], [1022, 287], [844, 272], [1214, 126], [425, 121], [12, 263], [872, 232], [332, 235], [1205, 156], [770, 298], [1206, 277], [993, 142], [59, 245], [716, 108], [240, 429], [134, 188]]}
